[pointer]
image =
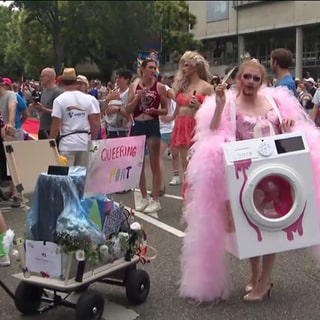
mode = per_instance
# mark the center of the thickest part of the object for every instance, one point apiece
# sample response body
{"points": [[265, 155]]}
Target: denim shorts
{"points": [[149, 128], [165, 137]]}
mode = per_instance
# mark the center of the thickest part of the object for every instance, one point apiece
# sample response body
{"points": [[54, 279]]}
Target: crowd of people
{"points": [[188, 114]]}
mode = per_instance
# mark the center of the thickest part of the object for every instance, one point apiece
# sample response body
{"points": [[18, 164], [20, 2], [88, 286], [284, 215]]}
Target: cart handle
{"points": [[143, 257]]}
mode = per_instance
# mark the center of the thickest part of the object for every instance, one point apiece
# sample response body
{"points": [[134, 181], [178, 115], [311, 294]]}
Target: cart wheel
{"points": [[27, 298], [137, 284], [89, 306]]}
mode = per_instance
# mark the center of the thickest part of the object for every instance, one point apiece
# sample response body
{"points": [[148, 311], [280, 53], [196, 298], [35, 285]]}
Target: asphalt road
{"points": [[296, 277]]}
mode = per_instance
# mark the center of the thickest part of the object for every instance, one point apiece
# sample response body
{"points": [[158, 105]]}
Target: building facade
{"points": [[230, 28]]}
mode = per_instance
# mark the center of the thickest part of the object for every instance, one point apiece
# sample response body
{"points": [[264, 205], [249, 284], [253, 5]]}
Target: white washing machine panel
{"points": [[272, 204]]}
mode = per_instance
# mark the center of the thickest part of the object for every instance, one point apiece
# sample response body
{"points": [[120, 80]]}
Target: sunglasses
{"points": [[249, 76]]}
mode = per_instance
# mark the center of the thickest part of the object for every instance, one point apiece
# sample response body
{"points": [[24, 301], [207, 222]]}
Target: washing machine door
{"points": [[273, 197]]}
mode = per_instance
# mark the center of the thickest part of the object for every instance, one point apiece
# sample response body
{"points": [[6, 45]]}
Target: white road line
{"points": [[176, 232], [172, 196], [5, 209], [154, 215], [159, 224], [166, 195]]}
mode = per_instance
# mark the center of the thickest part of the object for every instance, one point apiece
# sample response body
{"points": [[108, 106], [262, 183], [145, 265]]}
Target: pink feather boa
{"points": [[205, 274]]}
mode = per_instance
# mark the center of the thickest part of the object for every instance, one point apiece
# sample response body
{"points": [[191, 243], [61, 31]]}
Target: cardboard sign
{"points": [[28, 159], [44, 258], [115, 164]]}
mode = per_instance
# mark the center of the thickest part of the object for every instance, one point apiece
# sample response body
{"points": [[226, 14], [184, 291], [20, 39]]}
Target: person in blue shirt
{"points": [[280, 61], [93, 91]]}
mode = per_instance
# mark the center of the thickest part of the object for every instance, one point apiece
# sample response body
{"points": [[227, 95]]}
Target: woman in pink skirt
{"points": [[191, 86]]}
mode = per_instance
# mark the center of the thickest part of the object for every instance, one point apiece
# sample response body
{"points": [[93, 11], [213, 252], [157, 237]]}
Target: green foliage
{"points": [[175, 20], [109, 33], [27, 48]]}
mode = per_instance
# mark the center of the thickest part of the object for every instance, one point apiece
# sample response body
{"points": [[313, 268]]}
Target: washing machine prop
{"points": [[272, 205]]}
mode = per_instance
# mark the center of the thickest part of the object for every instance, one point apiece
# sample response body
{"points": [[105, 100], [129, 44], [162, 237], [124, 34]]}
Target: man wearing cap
{"points": [[44, 105], [76, 118], [83, 86]]}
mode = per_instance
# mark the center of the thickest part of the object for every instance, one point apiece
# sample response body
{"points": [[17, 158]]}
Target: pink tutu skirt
{"points": [[183, 131]]}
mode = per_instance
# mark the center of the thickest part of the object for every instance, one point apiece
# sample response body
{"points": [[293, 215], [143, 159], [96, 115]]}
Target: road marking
{"points": [[148, 218], [5, 209], [171, 196], [176, 232], [154, 215], [159, 224], [166, 195]]}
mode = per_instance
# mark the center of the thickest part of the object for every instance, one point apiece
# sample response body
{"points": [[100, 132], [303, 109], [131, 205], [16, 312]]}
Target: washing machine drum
{"points": [[273, 198]]}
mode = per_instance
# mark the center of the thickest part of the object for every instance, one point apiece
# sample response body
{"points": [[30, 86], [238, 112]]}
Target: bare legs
{"points": [[175, 159], [163, 148], [3, 226], [154, 156], [183, 151], [261, 282]]}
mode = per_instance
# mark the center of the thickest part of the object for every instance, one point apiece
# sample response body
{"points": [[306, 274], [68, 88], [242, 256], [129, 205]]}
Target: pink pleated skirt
{"points": [[183, 131]]}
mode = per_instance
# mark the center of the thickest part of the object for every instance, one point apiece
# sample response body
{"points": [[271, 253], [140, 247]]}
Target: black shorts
{"points": [[149, 128], [117, 134]]}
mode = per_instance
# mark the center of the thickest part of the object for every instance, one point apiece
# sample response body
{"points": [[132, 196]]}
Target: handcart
{"points": [[37, 293]]}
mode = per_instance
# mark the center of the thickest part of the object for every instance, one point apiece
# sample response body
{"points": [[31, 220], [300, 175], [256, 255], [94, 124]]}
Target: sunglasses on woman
{"points": [[249, 76]]}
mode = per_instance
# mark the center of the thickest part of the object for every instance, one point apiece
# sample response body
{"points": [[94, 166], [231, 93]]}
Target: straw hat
{"points": [[69, 74], [83, 79]]}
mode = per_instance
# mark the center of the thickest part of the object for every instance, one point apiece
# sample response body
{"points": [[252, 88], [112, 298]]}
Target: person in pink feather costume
{"points": [[204, 265]]}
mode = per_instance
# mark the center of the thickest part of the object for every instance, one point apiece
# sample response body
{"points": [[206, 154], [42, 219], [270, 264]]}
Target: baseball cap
{"points": [[7, 81], [310, 80]]}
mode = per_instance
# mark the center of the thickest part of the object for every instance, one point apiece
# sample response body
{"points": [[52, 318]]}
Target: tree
{"points": [[28, 48], [47, 14], [117, 31], [7, 68], [110, 33], [174, 21]]}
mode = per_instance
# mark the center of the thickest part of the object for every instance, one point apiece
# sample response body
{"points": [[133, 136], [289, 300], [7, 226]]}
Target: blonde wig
{"points": [[195, 59], [250, 63]]}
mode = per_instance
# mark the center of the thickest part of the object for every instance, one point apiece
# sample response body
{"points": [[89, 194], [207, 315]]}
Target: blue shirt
{"points": [[287, 81], [21, 106], [94, 92]]}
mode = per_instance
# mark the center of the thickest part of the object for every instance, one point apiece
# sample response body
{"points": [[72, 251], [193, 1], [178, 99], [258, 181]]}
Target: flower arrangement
{"points": [[80, 244], [114, 247]]}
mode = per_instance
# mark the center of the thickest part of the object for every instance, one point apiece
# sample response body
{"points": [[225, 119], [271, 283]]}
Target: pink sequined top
{"points": [[247, 126]]}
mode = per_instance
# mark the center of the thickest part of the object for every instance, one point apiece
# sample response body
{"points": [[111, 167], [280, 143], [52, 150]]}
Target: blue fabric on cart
{"points": [[51, 195]]}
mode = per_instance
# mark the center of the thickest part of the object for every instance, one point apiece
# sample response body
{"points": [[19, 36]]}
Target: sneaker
{"points": [[5, 261], [154, 206], [142, 204], [16, 202], [175, 181]]}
